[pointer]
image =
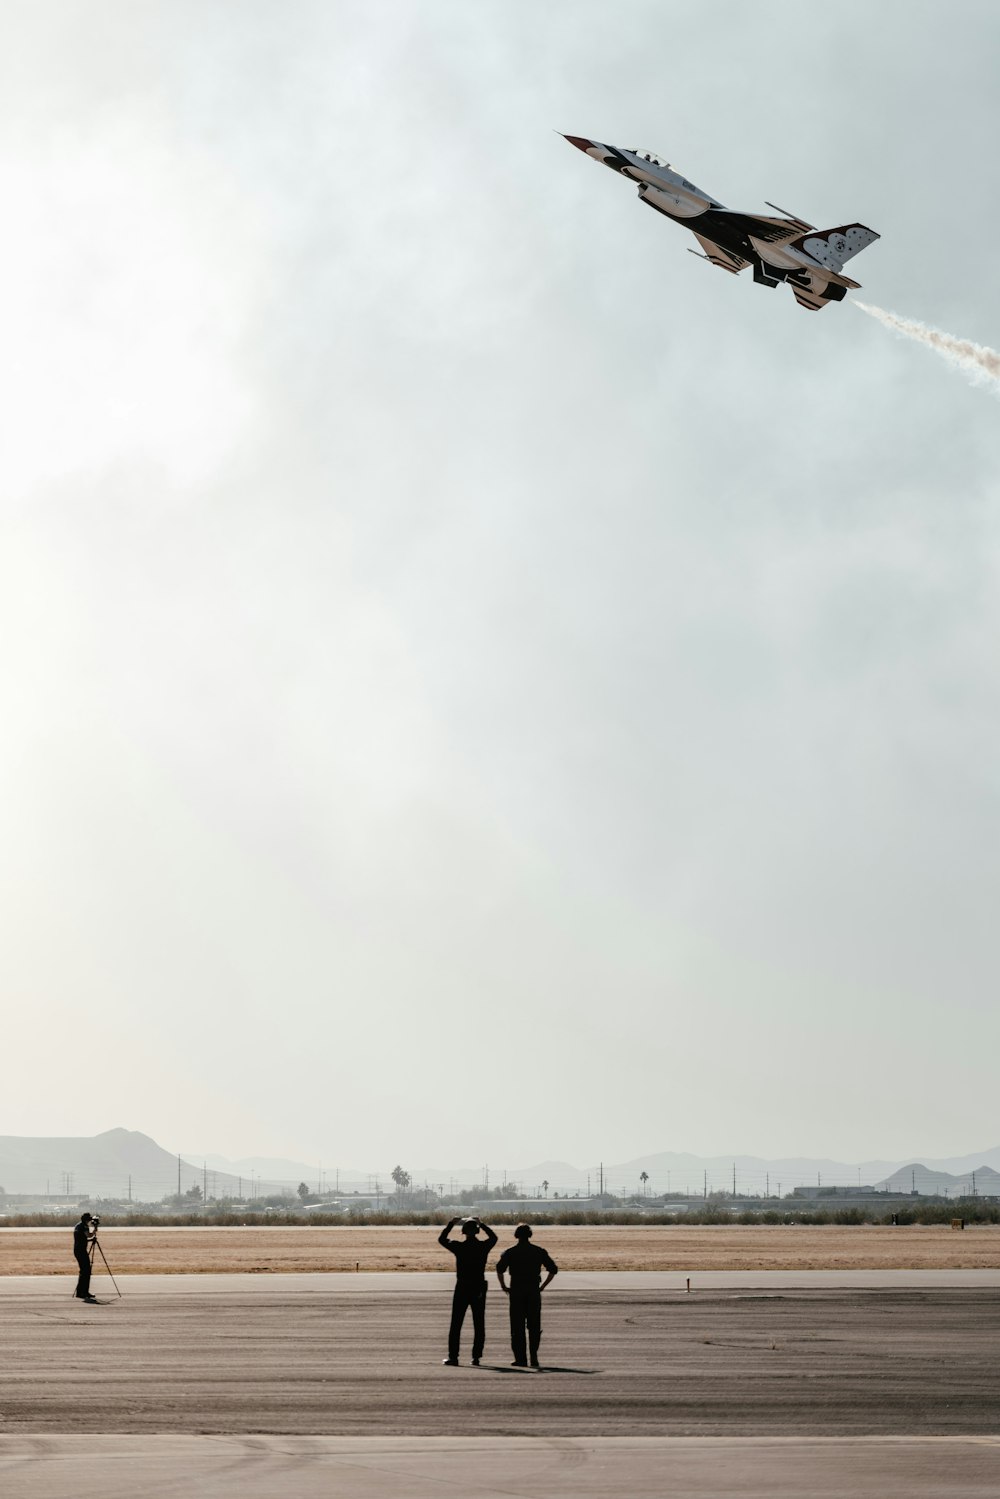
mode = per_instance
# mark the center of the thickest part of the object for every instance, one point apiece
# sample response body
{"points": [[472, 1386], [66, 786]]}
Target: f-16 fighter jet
{"points": [[779, 249]]}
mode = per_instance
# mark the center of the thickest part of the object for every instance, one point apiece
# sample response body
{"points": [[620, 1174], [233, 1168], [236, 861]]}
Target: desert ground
{"points": [[175, 1251]]}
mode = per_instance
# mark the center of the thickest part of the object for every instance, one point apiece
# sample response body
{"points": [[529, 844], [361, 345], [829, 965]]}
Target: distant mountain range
{"points": [[982, 1182], [121, 1162]]}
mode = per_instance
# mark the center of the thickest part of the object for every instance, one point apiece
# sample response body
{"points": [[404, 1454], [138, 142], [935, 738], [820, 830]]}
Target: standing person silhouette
{"points": [[83, 1237], [471, 1253], [525, 1262]]}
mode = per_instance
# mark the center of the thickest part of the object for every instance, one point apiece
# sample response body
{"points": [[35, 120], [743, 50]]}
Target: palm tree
{"points": [[545, 1189], [644, 1178]]}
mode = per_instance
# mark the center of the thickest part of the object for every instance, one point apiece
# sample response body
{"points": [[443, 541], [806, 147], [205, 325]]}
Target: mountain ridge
{"points": [[110, 1163]]}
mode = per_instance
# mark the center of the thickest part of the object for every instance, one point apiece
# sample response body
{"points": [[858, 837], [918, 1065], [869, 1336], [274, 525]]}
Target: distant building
{"points": [[365, 1202], [526, 1206], [839, 1192]]}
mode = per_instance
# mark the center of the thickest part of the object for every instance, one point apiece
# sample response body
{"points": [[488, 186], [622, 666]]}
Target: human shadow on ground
{"points": [[543, 1369]]}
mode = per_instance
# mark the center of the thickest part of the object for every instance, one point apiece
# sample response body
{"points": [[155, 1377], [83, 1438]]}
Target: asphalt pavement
{"points": [[166, 1467], [301, 1385]]}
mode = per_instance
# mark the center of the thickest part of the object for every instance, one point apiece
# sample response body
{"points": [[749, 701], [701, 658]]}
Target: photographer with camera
{"points": [[84, 1235]]}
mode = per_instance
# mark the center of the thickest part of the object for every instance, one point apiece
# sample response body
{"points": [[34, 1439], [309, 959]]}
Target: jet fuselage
{"points": [[777, 248]]}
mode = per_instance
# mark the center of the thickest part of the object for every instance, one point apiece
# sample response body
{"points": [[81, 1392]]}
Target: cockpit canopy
{"points": [[655, 161]]}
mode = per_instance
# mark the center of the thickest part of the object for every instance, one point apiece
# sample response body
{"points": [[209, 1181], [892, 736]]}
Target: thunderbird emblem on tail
{"points": [[779, 249]]}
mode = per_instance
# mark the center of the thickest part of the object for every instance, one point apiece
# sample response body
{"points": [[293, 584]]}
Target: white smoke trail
{"points": [[981, 364]]}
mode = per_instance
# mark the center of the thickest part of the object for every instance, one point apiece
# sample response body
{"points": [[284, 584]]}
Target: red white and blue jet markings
{"points": [[778, 249]]}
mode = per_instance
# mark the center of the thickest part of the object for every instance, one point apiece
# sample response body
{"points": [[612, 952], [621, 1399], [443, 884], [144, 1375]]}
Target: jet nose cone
{"points": [[579, 141]]}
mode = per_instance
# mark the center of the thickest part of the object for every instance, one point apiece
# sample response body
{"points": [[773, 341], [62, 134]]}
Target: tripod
{"points": [[96, 1244]]}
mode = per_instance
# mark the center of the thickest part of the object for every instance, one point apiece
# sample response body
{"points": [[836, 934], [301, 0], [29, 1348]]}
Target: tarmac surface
{"points": [[439, 1283], [167, 1467], [307, 1384]]}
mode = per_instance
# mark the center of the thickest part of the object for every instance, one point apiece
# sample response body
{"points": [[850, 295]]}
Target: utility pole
{"points": [[178, 1180], [704, 1185], [767, 1184], [601, 1189], [204, 1183], [130, 1186], [734, 1178]]}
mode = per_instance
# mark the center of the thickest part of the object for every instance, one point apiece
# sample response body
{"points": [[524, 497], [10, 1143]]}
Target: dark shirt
{"points": [[525, 1262], [470, 1258], [81, 1233]]}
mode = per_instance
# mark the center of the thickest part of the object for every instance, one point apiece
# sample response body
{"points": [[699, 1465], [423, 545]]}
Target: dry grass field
{"points": [[175, 1251]]}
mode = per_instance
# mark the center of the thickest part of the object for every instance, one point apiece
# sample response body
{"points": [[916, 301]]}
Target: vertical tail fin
{"points": [[833, 247]]}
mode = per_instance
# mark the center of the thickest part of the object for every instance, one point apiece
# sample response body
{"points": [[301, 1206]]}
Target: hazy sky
{"points": [[477, 685]]}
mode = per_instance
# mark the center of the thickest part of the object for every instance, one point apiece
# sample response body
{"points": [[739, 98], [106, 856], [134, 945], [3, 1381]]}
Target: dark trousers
{"points": [[83, 1283], [474, 1296], [525, 1316]]}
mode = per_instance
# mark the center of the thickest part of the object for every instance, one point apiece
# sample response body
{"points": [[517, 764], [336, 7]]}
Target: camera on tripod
{"points": [[95, 1222]]}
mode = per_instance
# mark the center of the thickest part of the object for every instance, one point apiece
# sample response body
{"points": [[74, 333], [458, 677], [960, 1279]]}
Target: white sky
{"points": [[475, 683]]}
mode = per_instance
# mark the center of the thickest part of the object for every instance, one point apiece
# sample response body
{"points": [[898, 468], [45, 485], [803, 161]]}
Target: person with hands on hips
{"points": [[524, 1262]]}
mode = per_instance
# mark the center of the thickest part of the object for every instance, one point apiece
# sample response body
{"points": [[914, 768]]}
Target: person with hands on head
{"points": [[525, 1262], [471, 1253]]}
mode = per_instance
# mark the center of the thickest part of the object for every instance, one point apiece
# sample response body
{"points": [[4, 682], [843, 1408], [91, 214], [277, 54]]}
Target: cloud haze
{"points": [[476, 683]]}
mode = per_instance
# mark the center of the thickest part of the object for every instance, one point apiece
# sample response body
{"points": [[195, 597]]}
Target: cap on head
{"points": [[470, 1226], [84, 1217], [522, 1231]]}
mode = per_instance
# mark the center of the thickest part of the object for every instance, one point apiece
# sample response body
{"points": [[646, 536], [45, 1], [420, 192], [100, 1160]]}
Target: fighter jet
{"points": [[786, 249]]}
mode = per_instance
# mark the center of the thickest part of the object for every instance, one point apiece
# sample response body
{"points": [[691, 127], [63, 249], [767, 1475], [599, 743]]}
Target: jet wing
{"points": [[760, 226], [726, 260]]}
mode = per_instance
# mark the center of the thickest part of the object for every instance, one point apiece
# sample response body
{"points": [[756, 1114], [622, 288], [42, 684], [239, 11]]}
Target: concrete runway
{"points": [[439, 1283], [167, 1467], [301, 1385]]}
